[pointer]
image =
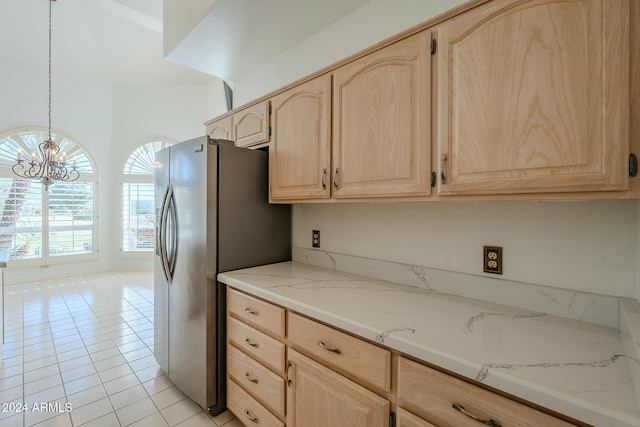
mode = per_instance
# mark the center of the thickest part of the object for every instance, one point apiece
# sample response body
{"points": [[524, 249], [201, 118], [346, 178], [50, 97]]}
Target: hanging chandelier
{"points": [[46, 167]]}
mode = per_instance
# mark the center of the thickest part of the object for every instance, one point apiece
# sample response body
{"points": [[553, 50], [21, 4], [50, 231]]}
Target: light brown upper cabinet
{"points": [[251, 125], [533, 97], [381, 131], [221, 129], [300, 148]]}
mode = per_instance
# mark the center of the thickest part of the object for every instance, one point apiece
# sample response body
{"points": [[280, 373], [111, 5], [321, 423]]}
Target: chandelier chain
{"points": [[50, 3], [49, 166]]}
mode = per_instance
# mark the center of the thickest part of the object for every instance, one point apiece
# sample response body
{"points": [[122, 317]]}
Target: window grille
{"points": [[138, 221], [40, 227]]}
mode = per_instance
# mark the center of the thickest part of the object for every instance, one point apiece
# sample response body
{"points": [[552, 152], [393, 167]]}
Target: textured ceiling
{"points": [[235, 36]]}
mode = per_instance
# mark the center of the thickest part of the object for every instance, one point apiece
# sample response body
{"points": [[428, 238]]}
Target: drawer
{"points": [[248, 410], [432, 394], [261, 347], [263, 384], [260, 314], [361, 359], [407, 419]]}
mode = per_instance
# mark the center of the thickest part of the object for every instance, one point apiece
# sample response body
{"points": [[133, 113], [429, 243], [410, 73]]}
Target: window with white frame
{"points": [[39, 227], [138, 221]]}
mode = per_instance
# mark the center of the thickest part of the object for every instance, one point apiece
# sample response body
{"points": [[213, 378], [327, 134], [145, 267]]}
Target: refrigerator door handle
{"points": [[172, 247], [163, 235]]}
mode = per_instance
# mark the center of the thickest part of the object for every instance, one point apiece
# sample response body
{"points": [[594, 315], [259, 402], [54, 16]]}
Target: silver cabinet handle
{"points": [[252, 344], [335, 179], [250, 311], [324, 175], [253, 380], [250, 417], [326, 347], [464, 412]]}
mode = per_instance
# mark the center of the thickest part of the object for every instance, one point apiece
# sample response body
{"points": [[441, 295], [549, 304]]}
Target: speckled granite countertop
{"points": [[572, 367]]}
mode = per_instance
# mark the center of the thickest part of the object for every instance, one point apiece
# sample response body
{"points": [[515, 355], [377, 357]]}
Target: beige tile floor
{"points": [[79, 352]]}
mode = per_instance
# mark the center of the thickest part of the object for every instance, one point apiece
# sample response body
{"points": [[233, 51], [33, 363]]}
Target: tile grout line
{"points": [[134, 315]]}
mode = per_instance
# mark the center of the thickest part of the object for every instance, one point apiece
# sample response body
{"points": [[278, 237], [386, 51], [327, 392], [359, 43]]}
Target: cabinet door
{"points": [[299, 152], [221, 129], [251, 125], [382, 122], [319, 397], [533, 97]]}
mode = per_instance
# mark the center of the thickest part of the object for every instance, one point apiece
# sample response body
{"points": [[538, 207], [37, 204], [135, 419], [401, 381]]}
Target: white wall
{"points": [[589, 246], [367, 25], [110, 122], [81, 110], [144, 113]]}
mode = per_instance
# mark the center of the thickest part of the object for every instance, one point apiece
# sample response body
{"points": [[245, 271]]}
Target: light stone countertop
{"points": [[572, 367]]}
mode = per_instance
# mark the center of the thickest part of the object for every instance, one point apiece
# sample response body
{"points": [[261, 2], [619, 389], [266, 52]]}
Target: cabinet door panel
{"points": [[251, 125], [532, 97], [300, 147], [220, 129], [319, 397], [382, 122]]}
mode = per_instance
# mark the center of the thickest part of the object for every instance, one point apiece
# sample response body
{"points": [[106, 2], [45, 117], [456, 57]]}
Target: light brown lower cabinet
{"points": [[257, 379], [248, 410], [450, 402], [407, 419], [319, 397], [332, 378]]}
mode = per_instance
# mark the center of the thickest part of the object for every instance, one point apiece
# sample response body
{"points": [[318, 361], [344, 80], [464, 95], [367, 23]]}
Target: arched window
{"points": [[138, 221], [39, 227]]}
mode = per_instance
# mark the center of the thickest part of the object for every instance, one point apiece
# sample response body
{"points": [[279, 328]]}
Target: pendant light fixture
{"points": [[46, 167]]}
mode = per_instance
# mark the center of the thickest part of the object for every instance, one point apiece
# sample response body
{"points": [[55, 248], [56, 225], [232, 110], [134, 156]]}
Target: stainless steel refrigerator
{"points": [[212, 215]]}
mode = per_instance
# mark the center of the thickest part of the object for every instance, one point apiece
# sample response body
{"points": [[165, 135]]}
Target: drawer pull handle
{"points": [[326, 347], [287, 373], [252, 344], [251, 418], [464, 412], [253, 380], [248, 310]]}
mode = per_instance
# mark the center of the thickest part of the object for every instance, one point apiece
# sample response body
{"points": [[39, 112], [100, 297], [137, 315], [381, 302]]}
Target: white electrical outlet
{"points": [[492, 259]]}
